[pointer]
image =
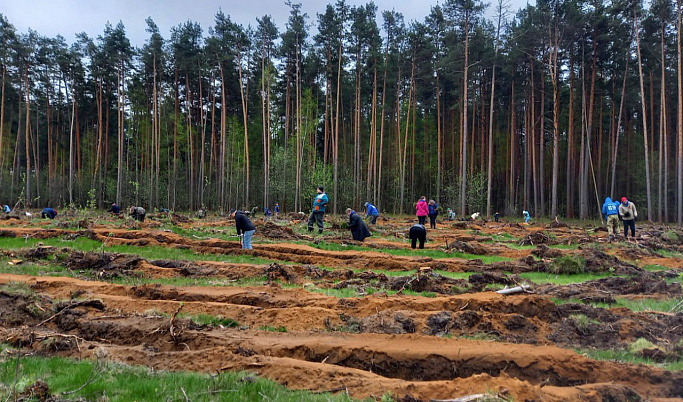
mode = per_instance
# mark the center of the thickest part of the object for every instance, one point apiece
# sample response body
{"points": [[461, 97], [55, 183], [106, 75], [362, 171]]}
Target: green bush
{"points": [[567, 265]]}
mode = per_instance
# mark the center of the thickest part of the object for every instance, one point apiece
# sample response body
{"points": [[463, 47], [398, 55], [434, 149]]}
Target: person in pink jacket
{"points": [[422, 210]]}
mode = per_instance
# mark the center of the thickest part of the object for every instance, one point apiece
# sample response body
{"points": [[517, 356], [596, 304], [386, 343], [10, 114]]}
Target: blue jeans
{"points": [[246, 240]]}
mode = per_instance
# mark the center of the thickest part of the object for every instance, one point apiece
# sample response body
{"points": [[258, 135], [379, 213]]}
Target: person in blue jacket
{"points": [[48, 213], [433, 212], [6, 209], [526, 215], [318, 212], [371, 212], [115, 209], [277, 210], [610, 211]]}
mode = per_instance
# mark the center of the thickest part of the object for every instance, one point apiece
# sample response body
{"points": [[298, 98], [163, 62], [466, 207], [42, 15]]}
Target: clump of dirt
{"points": [[106, 265], [296, 216], [471, 247], [177, 219], [7, 233], [39, 391], [543, 251], [430, 282], [603, 290], [274, 231], [599, 261], [556, 224], [279, 272], [18, 309], [536, 238], [480, 280]]}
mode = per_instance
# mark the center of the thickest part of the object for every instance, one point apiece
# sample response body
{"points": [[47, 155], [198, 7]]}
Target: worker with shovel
{"points": [[245, 229]]}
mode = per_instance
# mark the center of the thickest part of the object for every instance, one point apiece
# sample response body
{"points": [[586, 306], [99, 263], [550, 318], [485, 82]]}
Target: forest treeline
{"points": [[549, 109]]}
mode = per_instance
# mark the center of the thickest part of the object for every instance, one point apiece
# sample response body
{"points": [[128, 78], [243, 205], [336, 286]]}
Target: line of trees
{"points": [[550, 109]]}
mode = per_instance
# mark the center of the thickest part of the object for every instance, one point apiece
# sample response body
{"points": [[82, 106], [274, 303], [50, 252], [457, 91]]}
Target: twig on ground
{"points": [[184, 394], [70, 306], [93, 376]]}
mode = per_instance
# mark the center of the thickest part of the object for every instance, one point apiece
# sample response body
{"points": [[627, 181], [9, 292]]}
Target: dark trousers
{"points": [[317, 218], [432, 221], [631, 223], [373, 219], [416, 234], [422, 219]]}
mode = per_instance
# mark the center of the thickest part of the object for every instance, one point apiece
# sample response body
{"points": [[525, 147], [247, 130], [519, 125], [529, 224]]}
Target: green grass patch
{"points": [[213, 321], [20, 289], [118, 382], [567, 265], [666, 305], [556, 279], [669, 254], [435, 254], [272, 329], [147, 252], [656, 268], [625, 356]]}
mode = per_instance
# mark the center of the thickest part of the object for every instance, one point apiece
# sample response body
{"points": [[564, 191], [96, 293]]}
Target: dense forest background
{"points": [[550, 109]]}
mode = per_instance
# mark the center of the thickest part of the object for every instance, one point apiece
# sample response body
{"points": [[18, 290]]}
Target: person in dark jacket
{"points": [[48, 213], [417, 232], [245, 229], [276, 211], [356, 225], [371, 212], [138, 213], [433, 208], [114, 209]]}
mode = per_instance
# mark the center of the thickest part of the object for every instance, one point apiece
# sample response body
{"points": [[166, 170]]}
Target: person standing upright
{"points": [[610, 212], [628, 213], [433, 208], [318, 212], [422, 210]]}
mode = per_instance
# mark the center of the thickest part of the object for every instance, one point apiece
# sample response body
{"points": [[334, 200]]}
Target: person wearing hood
{"points": [[422, 210], [48, 213], [371, 212], [526, 215], [356, 225], [628, 213], [245, 228], [138, 213], [6, 209], [610, 212]]}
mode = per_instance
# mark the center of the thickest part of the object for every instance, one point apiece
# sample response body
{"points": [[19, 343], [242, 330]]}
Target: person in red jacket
{"points": [[422, 210]]}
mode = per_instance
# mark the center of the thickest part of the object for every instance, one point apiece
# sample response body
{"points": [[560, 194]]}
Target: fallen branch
{"points": [[70, 306], [172, 327], [516, 289]]}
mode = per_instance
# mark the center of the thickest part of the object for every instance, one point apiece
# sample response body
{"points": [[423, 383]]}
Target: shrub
{"points": [[568, 265]]}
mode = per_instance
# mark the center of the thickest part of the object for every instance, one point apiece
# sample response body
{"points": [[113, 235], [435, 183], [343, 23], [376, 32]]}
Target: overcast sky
{"points": [[68, 17]]}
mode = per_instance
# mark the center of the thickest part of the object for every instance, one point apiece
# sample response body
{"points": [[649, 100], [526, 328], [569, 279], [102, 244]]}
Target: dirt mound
{"points": [[536, 238], [274, 231], [599, 261], [543, 251], [603, 290], [107, 265], [471, 247]]}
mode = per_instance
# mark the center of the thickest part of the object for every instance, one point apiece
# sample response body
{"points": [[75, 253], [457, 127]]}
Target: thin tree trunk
{"points": [[617, 133], [645, 142]]}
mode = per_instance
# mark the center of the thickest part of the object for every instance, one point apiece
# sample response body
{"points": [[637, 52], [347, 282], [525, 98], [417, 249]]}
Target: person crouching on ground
{"points": [[417, 233], [48, 213], [628, 213], [610, 212], [138, 213], [245, 228], [115, 209], [356, 225], [371, 212], [422, 210], [318, 213]]}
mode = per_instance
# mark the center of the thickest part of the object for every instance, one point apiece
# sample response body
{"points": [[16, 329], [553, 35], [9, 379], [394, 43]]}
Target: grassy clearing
{"points": [[435, 254], [118, 382], [557, 279], [667, 305], [624, 356], [147, 252], [669, 254]]}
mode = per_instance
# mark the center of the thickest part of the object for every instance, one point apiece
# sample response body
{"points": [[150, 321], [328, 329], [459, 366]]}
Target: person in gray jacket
{"points": [[628, 214]]}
